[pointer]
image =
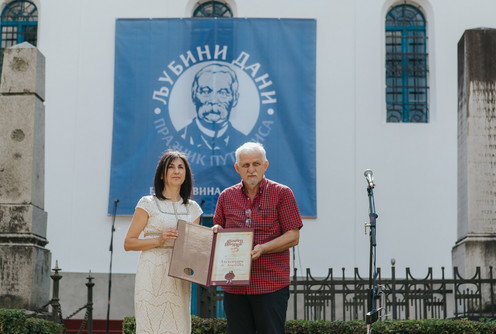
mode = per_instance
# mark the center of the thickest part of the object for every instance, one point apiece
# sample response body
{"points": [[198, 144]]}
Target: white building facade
{"points": [[414, 164]]}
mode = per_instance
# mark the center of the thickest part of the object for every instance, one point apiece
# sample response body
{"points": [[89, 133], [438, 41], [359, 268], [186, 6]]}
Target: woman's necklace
{"points": [[174, 208]]}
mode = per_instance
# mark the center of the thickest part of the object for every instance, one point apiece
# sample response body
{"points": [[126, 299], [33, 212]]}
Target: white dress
{"points": [[162, 303]]}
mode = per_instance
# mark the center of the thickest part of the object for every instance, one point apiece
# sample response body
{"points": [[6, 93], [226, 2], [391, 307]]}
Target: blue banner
{"points": [[204, 87]]}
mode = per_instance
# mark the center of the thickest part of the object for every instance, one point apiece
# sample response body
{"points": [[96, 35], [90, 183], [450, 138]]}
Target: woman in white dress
{"points": [[162, 303]]}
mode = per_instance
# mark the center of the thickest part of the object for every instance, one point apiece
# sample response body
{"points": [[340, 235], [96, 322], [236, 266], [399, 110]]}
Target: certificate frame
{"points": [[201, 256]]}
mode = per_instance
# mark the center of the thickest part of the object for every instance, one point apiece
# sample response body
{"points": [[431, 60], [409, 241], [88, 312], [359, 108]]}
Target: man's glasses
{"points": [[248, 218]]}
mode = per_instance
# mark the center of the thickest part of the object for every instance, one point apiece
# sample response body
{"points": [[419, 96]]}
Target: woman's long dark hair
{"points": [[163, 164]]}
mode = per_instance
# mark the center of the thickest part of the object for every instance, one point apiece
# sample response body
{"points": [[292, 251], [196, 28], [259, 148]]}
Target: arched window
{"points": [[18, 23], [406, 65], [213, 9]]}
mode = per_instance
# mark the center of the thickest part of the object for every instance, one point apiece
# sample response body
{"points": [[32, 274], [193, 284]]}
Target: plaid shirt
{"points": [[273, 212]]}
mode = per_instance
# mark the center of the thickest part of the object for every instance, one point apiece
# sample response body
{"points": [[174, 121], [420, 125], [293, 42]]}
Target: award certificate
{"points": [[207, 258]]}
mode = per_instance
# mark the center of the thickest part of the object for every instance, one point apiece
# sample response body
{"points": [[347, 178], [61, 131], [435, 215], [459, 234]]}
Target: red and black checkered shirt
{"points": [[273, 212]]}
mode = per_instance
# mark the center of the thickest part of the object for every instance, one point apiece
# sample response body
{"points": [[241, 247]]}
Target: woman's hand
{"points": [[167, 234]]}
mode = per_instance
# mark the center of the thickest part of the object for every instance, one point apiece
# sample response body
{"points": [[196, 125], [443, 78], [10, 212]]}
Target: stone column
{"points": [[24, 260], [476, 244]]}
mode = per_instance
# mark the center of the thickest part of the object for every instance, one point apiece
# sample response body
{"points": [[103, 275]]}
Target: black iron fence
{"points": [[341, 297], [55, 313], [345, 297]]}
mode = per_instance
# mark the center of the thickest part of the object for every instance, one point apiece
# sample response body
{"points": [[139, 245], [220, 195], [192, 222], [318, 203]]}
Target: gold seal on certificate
{"points": [[207, 258]]}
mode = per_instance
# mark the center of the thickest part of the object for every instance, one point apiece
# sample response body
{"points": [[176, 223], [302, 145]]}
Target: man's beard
{"points": [[213, 113], [253, 180]]}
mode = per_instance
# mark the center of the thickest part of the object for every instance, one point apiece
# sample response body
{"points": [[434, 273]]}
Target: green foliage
{"points": [[431, 326], [434, 326], [12, 322], [40, 326], [321, 327], [16, 322], [198, 325], [129, 325], [208, 326]]}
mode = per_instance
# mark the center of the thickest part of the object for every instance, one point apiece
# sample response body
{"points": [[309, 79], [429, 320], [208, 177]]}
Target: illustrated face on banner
{"points": [[215, 93], [222, 112]]}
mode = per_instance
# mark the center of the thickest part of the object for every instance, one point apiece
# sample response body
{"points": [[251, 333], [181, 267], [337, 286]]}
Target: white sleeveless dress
{"points": [[162, 303]]}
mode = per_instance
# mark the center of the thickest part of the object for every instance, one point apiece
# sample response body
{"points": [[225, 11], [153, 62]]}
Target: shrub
{"points": [[40, 326], [129, 325], [321, 327], [198, 325], [210, 326], [17, 322], [434, 326], [12, 322], [430, 326]]}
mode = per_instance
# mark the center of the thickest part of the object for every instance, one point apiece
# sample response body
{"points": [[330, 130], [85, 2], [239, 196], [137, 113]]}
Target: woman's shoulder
{"points": [[194, 208], [192, 202], [145, 200]]}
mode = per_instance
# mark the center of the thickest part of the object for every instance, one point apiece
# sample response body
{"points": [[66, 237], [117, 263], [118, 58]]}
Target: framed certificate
{"points": [[207, 258]]}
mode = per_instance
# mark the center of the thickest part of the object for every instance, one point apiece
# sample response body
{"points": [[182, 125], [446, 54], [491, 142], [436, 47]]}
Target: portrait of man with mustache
{"points": [[214, 93]]}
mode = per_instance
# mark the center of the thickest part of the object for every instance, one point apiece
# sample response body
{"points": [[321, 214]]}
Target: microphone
{"points": [[370, 177]]}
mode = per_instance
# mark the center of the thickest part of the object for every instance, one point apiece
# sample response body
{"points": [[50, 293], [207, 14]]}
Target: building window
{"points": [[213, 9], [406, 65], [18, 23]]}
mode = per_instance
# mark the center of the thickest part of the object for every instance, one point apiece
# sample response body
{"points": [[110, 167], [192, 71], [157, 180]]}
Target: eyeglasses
{"points": [[248, 218]]}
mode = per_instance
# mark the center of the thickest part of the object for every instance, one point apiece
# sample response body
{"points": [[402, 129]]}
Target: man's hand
{"points": [[216, 228], [279, 244], [257, 252]]}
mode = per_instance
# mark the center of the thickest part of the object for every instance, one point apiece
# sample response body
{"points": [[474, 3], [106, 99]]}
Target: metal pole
{"points": [[393, 288], [295, 286], [111, 249], [89, 306]]}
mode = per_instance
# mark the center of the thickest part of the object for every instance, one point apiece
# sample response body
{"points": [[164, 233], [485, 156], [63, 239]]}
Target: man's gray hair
{"points": [[251, 147]]}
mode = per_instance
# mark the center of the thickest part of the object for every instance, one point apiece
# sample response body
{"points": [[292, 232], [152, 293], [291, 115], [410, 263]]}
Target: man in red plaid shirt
{"points": [[269, 208]]}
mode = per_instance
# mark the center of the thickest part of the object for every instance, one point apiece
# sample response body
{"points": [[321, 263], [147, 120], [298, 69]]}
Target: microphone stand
{"points": [[111, 249], [373, 314], [202, 203], [201, 292]]}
